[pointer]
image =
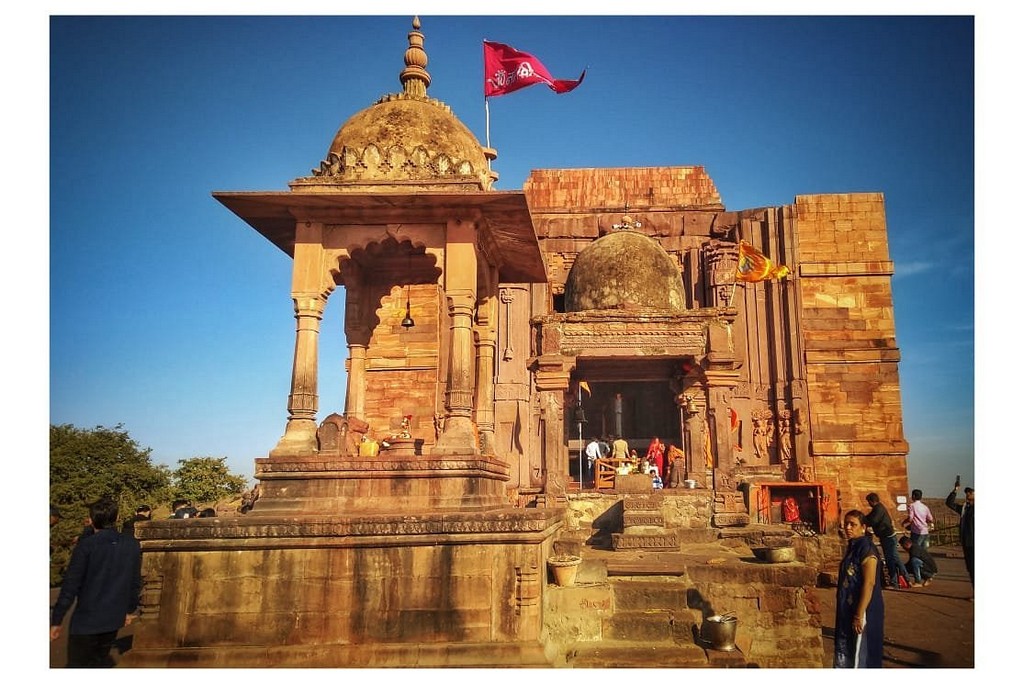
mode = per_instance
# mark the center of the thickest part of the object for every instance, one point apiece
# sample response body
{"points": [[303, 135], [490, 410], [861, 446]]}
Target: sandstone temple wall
{"points": [[848, 333]]}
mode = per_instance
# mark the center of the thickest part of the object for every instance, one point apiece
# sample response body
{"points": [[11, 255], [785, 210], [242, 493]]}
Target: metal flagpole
{"points": [[487, 119], [579, 402]]}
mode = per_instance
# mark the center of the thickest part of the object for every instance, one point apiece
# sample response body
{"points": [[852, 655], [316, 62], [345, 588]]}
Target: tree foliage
{"points": [[89, 464], [206, 480]]}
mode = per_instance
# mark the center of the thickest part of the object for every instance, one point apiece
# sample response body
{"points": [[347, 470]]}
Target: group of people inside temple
{"points": [[656, 462]]}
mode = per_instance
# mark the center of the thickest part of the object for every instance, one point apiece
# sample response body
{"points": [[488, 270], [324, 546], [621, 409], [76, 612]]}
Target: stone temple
{"points": [[487, 332]]}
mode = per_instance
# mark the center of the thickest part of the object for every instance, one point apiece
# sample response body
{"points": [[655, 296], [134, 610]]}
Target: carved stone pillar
{"points": [[300, 431], [719, 399], [552, 382], [458, 435], [485, 345], [697, 440], [355, 392]]}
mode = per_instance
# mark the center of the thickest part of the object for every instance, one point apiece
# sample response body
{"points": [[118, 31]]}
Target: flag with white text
{"points": [[507, 69]]}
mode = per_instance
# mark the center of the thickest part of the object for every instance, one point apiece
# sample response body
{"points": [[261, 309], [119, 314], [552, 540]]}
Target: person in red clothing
{"points": [[656, 456]]}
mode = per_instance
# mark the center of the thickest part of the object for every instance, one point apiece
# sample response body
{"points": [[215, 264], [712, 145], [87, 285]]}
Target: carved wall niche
{"points": [[720, 260]]}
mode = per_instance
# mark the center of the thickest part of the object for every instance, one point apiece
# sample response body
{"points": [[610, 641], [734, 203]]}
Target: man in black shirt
{"points": [[105, 577], [966, 512]]}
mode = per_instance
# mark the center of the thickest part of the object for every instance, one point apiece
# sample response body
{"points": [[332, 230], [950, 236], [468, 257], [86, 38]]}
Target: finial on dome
{"points": [[414, 77], [627, 222]]}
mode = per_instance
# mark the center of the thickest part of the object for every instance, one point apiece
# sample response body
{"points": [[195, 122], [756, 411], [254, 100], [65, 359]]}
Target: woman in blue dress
{"points": [[860, 612]]}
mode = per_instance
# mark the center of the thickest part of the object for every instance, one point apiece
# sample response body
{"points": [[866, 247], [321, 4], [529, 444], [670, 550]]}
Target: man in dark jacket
{"points": [[966, 512], [143, 513], [105, 576], [920, 563], [881, 526]]}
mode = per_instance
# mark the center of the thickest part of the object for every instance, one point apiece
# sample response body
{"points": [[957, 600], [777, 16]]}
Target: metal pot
{"points": [[783, 554], [719, 632]]}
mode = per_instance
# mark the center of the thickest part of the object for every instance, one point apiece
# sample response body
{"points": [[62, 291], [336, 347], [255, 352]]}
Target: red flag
{"points": [[506, 70]]}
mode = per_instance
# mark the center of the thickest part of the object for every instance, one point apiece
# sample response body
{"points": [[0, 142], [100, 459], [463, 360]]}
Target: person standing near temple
{"points": [[620, 447], [593, 453], [881, 525], [105, 578], [966, 512], [919, 519], [860, 610], [656, 455]]}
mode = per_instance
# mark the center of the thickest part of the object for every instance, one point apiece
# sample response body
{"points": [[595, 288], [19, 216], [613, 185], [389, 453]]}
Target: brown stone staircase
{"points": [[628, 612], [651, 626], [643, 526], [643, 607]]}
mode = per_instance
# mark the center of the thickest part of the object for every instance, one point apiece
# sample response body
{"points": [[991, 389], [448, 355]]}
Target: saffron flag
{"points": [[753, 266], [506, 70], [585, 387]]}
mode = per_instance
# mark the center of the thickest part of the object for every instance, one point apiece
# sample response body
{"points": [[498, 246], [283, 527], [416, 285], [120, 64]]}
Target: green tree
{"points": [[88, 464], [206, 480]]}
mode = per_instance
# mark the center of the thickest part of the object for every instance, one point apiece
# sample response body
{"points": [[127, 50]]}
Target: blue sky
{"points": [[171, 316]]}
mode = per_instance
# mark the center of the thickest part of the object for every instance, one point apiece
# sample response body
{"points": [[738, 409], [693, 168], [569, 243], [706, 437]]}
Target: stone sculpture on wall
{"points": [[762, 432], [720, 260], [785, 440]]}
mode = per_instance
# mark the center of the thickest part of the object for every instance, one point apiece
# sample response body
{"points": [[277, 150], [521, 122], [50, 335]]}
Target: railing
{"points": [[604, 472], [946, 531]]}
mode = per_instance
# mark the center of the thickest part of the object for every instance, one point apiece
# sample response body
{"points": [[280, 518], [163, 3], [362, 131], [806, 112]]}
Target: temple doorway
{"points": [[629, 397]]}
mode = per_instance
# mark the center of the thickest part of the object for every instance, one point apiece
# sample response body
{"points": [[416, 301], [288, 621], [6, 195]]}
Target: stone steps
{"points": [[650, 626], [350, 655], [643, 526], [651, 539], [636, 655]]}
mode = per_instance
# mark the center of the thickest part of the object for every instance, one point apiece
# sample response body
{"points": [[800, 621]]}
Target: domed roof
{"points": [[624, 269], [407, 136]]}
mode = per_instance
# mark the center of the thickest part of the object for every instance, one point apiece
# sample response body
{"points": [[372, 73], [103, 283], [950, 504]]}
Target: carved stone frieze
{"points": [[393, 163], [720, 260], [319, 531], [278, 467]]}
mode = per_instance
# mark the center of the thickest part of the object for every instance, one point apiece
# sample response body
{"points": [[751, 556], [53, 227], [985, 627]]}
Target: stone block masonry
{"points": [[849, 338]]}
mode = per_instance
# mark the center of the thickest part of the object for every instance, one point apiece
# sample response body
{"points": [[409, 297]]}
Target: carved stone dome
{"points": [[624, 270], [405, 137]]}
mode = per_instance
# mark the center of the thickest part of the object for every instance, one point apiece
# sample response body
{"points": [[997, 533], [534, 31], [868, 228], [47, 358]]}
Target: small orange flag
{"points": [[585, 387], [753, 266]]}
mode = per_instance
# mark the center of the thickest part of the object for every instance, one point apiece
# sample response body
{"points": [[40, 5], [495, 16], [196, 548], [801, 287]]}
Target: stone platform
{"points": [[332, 590], [314, 484]]}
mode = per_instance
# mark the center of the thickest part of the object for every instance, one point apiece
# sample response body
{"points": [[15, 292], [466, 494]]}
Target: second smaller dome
{"points": [[624, 269]]}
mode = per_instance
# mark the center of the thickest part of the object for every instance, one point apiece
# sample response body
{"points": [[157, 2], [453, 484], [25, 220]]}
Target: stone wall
{"points": [[402, 365], [779, 621], [849, 337], [321, 592]]}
